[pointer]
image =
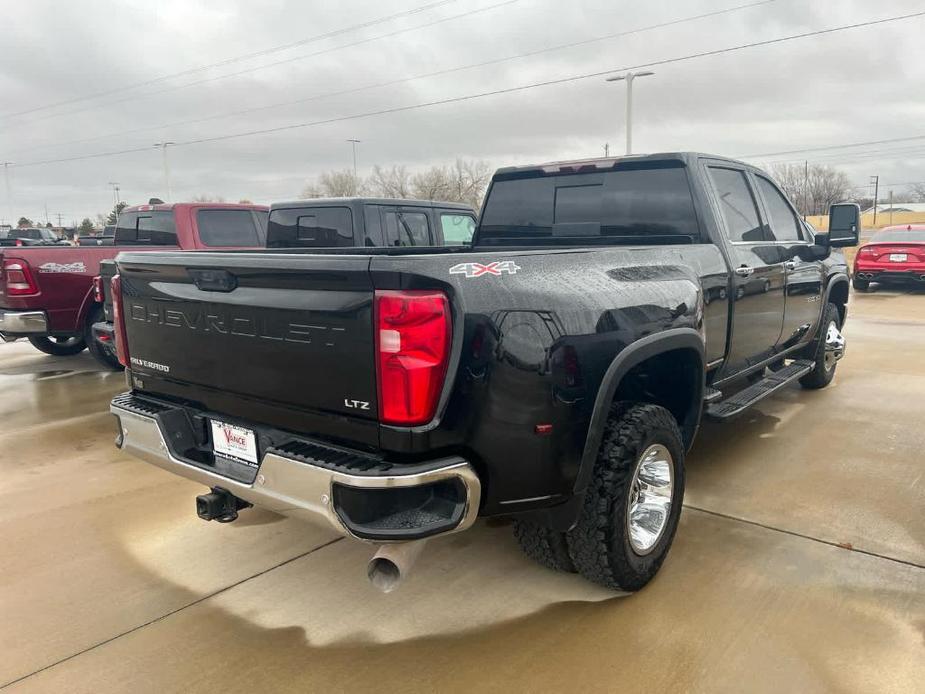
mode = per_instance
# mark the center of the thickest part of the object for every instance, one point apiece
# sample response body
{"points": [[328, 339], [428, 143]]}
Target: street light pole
{"points": [[9, 194], [629, 77], [164, 146], [354, 143], [875, 180]]}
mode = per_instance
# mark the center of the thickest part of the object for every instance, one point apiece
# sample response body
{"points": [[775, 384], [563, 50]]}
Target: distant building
{"points": [[897, 207]]}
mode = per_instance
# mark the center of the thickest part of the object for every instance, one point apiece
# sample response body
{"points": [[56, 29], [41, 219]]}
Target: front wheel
{"points": [[59, 346], [828, 348], [633, 503]]}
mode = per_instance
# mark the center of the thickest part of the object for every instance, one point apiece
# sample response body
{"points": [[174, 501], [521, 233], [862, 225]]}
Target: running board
{"points": [[774, 381]]}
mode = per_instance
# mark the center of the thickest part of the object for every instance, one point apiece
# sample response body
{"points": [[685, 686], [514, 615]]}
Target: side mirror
{"points": [[844, 224]]}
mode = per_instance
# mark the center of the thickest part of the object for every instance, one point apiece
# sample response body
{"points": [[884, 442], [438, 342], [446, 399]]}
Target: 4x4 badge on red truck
{"points": [[471, 270]]}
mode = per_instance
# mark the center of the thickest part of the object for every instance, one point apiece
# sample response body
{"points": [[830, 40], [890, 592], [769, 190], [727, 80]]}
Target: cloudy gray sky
{"points": [[851, 86]]}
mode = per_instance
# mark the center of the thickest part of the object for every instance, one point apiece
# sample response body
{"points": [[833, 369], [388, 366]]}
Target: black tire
{"points": [[821, 375], [104, 356], [59, 346], [544, 545], [859, 284], [599, 544]]}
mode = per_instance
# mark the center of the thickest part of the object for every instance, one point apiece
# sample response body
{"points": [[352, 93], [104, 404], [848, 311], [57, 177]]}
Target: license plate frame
{"points": [[899, 257], [234, 442]]}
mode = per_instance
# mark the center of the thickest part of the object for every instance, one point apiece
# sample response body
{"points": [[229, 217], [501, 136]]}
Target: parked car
{"points": [[895, 254], [46, 292], [29, 237], [335, 222], [556, 371]]}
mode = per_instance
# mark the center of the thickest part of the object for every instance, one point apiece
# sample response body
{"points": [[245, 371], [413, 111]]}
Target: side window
{"points": [[310, 227], [406, 228], [737, 204], [784, 224], [227, 228], [457, 228]]}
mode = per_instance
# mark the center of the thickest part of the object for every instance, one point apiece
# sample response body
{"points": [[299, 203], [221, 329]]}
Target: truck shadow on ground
{"points": [[479, 616]]}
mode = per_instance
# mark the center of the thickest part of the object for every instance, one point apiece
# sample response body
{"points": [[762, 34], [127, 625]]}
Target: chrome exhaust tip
{"points": [[391, 564]]}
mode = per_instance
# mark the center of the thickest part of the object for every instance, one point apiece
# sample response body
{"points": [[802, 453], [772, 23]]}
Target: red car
{"points": [[894, 254], [47, 293]]}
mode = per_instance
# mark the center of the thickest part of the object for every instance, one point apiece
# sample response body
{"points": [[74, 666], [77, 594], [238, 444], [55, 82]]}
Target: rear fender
{"points": [[634, 354]]}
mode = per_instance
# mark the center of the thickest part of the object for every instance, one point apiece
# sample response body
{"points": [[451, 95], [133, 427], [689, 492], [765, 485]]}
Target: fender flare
{"points": [[834, 280], [634, 354]]}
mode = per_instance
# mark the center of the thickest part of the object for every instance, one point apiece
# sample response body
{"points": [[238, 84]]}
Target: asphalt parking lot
{"points": [[799, 564]]}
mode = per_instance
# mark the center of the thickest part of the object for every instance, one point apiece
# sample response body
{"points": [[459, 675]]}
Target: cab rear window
{"points": [[639, 203], [310, 227], [229, 228], [146, 228]]}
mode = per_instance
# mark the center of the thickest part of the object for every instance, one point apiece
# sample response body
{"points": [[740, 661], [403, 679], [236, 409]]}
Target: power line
{"points": [[844, 146], [265, 66], [494, 92], [389, 83], [235, 59]]}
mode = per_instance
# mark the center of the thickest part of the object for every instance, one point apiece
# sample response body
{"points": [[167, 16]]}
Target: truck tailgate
{"points": [[292, 330]]}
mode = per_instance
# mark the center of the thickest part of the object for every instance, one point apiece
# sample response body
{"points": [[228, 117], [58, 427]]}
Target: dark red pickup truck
{"points": [[46, 292]]}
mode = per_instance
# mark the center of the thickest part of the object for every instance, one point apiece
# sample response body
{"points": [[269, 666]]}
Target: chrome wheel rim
{"points": [[834, 346], [650, 499]]}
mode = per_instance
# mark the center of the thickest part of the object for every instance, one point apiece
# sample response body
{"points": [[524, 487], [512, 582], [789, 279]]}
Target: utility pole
{"points": [[115, 193], [891, 207], [59, 215], [606, 150], [875, 180], [9, 194], [629, 77], [354, 144], [164, 146]]}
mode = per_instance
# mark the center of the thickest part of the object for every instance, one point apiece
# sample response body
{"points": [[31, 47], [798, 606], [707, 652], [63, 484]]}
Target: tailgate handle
{"points": [[214, 280]]}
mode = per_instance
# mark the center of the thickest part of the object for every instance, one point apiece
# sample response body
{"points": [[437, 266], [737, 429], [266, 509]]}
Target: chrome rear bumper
{"points": [[295, 487], [23, 322]]}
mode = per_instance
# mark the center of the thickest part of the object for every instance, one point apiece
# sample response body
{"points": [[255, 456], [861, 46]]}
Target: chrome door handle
{"points": [[745, 271], [790, 265]]}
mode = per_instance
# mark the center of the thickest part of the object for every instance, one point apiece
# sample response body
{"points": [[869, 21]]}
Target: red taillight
{"points": [[19, 242], [18, 277], [98, 295], [413, 335], [118, 320]]}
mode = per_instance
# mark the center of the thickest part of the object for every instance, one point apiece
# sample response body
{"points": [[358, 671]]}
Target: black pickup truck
{"points": [[554, 371]]}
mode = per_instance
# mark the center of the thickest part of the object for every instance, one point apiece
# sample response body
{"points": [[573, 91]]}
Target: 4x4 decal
{"points": [[471, 270]]}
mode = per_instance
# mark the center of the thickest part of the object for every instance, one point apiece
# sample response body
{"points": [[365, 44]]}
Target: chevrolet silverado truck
{"points": [[47, 293], [555, 371]]}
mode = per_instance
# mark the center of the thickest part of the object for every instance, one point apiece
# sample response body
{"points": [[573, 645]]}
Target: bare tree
{"points": [[465, 181], [917, 192], [812, 189], [390, 183], [335, 184]]}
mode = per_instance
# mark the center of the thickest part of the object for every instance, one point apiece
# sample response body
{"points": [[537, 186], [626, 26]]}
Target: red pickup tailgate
{"points": [[62, 276]]}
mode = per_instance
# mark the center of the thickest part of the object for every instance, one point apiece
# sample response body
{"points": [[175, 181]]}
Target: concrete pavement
{"points": [[799, 564]]}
